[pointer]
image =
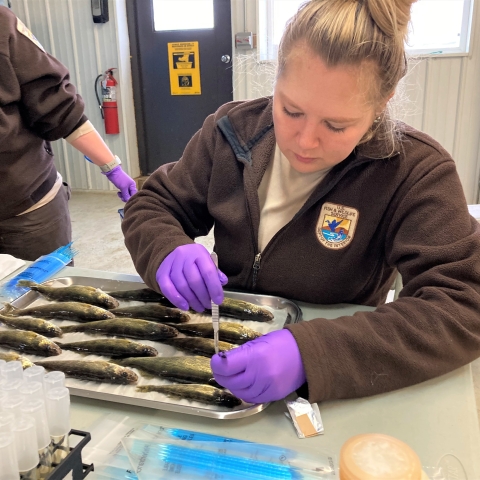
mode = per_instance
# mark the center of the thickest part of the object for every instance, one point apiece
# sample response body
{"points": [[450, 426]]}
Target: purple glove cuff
{"points": [[107, 174]]}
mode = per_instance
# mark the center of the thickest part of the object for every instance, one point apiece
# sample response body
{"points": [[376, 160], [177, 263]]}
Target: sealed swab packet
{"points": [[305, 416], [40, 270], [171, 453]]}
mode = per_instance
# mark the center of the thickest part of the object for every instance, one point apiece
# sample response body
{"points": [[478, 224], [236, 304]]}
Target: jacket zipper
{"points": [[256, 268]]}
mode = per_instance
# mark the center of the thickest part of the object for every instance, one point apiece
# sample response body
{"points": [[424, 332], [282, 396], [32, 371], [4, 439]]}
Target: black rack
{"points": [[73, 461]]}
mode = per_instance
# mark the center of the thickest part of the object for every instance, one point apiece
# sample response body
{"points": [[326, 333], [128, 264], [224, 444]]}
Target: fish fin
{"points": [[68, 328], [144, 373], [26, 283]]}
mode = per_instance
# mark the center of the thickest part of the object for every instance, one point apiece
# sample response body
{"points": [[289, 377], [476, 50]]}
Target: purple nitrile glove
{"points": [[122, 181], [188, 278], [266, 369]]}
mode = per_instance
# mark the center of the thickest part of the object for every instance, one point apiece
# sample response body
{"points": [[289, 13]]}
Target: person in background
{"points": [[38, 104], [318, 195]]}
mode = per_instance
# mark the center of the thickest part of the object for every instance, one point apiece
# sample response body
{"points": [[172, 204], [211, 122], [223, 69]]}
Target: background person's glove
{"points": [[266, 369], [188, 278], [122, 181]]}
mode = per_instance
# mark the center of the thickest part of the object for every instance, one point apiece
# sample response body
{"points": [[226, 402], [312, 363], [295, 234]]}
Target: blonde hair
{"points": [[363, 33]]}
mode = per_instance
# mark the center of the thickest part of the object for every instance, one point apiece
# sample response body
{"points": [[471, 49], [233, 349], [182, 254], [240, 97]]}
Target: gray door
{"points": [[166, 121]]}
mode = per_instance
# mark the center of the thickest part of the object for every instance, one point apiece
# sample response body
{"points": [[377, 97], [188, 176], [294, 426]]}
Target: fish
{"points": [[153, 312], [201, 393], [15, 357], [229, 331], [111, 347], [77, 311], [96, 371], [242, 310], [198, 346], [142, 295], [188, 369], [29, 342], [73, 293], [125, 327], [37, 325]]}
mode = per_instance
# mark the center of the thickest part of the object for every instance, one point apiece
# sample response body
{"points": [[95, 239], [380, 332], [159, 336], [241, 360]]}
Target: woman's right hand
{"points": [[189, 279]]}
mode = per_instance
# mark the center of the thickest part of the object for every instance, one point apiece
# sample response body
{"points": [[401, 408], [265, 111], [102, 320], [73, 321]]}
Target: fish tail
{"points": [[68, 328], [118, 361], [27, 283], [143, 388], [7, 308]]}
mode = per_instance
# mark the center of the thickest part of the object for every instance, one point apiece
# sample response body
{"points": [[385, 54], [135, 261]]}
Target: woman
{"points": [[38, 104], [318, 195]]}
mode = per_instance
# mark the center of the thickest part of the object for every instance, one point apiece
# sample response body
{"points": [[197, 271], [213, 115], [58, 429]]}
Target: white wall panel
{"points": [[410, 96], [441, 99], [467, 135], [66, 30]]}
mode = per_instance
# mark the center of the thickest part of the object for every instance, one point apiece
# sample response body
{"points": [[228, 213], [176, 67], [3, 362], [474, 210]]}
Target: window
{"points": [[437, 26], [182, 14]]}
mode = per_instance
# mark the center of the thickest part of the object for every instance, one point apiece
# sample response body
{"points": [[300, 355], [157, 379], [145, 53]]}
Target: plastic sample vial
{"points": [[11, 386], [53, 379], [376, 456], [6, 422], [3, 395], [34, 373], [8, 457], [31, 391], [57, 402], [36, 409], [12, 403], [13, 371], [26, 445]]}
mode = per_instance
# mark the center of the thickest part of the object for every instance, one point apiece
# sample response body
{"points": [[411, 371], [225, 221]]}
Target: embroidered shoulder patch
{"points": [[27, 33], [336, 225]]}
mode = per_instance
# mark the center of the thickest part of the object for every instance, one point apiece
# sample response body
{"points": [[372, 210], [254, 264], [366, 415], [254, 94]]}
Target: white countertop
{"points": [[435, 418]]}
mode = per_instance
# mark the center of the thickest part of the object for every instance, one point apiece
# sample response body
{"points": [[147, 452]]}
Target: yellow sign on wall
{"points": [[184, 67]]}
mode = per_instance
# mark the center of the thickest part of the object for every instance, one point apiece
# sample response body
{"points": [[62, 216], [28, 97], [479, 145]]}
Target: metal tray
{"points": [[285, 312]]}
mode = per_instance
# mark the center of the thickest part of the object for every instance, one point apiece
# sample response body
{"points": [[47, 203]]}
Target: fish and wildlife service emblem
{"points": [[336, 225]]}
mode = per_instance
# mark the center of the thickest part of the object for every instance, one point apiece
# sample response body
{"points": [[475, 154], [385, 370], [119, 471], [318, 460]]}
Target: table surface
{"points": [[436, 418]]}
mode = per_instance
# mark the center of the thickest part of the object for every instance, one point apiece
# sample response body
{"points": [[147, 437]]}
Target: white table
{"points": [[435, 418]]}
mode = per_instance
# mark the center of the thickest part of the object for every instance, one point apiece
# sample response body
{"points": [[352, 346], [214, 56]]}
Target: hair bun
{"points": [[391, 16]]}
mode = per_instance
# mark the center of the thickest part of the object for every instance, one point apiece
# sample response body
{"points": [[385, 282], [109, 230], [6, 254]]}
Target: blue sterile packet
{"points": [[40, 270]]}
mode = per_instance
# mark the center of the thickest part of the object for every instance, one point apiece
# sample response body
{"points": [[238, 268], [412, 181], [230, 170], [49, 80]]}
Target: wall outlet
{"points": [[244, 40]]}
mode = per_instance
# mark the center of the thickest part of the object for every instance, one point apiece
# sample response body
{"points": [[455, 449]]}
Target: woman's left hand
{"points": [[263, 370]]}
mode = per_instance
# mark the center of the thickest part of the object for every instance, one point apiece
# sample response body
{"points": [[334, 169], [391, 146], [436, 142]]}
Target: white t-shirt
{"points": [[282, 192], [48, 197]]}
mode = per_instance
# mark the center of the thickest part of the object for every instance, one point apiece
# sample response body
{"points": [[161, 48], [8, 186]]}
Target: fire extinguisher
{"points": [[108, 106]]}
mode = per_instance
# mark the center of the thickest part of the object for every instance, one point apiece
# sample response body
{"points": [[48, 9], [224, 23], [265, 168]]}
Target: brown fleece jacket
{"points": [[38, 104], [406, 212]]}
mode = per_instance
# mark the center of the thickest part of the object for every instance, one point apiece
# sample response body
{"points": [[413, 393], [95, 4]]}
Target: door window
{"points": [[182, 14]]}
